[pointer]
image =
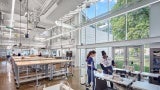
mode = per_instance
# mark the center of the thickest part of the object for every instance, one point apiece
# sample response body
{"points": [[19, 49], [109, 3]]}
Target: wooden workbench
{"points": [[32, 59], [40, 62], [49, 73]]}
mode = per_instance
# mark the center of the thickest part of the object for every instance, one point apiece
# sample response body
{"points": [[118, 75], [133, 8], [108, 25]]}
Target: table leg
{"points": [[27, 71], [17, 76], [46, 70], [51, 72], [37, 83]]}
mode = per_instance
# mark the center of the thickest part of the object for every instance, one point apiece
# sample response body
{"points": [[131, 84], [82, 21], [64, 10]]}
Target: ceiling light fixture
{"points": [[27, 34]]}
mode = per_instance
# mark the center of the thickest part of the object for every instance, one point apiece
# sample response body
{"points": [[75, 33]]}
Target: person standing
{"points": [[107, 65], [91, 68]]}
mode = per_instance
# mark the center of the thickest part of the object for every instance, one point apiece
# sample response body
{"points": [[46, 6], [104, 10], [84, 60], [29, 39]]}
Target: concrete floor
{"points": [[7, 81]]}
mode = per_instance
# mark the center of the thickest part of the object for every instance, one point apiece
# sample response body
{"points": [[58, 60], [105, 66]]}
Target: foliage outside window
{"points": [[118, 26], [136, 27], [138, 24]]}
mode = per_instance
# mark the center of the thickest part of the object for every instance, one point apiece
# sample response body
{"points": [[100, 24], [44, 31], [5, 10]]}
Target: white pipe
{"points": [[12, 14]]}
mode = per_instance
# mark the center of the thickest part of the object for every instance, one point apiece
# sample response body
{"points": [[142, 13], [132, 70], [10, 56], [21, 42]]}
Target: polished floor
{"points": [[7, 80]]}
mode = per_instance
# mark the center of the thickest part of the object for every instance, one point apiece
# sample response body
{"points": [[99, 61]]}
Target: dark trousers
{"points": [[108, 70], [91, 77]]}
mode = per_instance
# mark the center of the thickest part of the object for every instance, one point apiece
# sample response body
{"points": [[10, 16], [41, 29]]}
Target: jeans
{"points": [[109, 70], [91, 77]]}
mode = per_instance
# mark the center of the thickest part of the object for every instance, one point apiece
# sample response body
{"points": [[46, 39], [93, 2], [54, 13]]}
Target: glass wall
{"points": [[129, 26], [146, 59], [102, 31], [138, 24], [83, 36], [119, 57], [102, 7], [134, 57], [90, 11], [118, 26], [116, 4], [90, 34]]}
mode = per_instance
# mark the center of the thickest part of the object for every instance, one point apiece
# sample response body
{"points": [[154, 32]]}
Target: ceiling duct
{"points": [[1, 18], [40, 27]]}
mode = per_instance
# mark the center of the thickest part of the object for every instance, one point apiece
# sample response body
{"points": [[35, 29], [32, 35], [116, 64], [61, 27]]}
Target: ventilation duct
{"points": [[1, 18], [40, 27]]}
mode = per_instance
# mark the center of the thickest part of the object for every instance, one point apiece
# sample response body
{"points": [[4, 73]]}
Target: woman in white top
{"points": [[106, 64]]}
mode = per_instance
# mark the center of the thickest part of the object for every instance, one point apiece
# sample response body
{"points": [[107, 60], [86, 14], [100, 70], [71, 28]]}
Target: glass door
{"points": [[119, 56], [129, 55], [134, 57]]}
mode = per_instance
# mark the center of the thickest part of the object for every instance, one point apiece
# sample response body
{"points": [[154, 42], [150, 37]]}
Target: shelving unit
{"points": [[154, 64]]}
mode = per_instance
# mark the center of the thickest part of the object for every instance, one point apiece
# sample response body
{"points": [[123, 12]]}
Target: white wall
{"points": [[155, 20], [155, 23]]}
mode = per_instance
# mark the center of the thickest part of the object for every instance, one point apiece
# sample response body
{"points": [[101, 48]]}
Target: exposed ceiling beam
{"points": [[122, 43]]}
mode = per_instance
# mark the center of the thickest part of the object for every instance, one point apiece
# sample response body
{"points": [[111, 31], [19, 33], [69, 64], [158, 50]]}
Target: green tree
{"points": [[137, 23], [137, 27]]}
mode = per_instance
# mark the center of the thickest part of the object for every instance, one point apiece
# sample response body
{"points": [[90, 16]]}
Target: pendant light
{"points": [[20, 44], [27, 34]]}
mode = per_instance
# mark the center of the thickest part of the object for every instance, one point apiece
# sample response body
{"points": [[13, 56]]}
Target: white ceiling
{"points": [[48, 11]]}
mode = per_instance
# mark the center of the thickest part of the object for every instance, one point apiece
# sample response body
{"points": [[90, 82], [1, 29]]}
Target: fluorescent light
{"points": [[38, 38], [102, 26], [74, 12], [12, 14], [67, 16]]}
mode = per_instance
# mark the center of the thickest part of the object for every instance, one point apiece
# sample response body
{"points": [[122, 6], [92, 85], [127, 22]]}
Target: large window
{"points": [[116, 4], [146, 59], [134, 57], [119, 57], [90, 11], [90, 34], [138, 24], [118, 26], [101, 7], [83, 36], [102, 31]]}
